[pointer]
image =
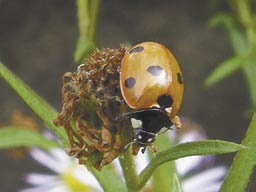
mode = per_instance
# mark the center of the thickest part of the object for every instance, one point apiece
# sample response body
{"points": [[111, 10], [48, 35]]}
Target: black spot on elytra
{"points": [[155, 70], [180, 78], [165, 101], [130, 82], [136, 49]]}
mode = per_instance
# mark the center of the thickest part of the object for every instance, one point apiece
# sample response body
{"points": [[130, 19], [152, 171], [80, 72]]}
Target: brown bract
{"points": [[93, 107]]}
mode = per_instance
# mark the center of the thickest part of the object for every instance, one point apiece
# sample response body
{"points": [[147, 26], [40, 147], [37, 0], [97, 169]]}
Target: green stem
{"points": [[164, 174], [243, 163], [108, 179], [129, 170], [87, 12], [249, 71], [94, 8], [83, 17]]}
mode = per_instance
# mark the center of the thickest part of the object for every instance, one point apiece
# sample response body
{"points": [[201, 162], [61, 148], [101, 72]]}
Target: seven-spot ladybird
{"points": [[152, 83]]}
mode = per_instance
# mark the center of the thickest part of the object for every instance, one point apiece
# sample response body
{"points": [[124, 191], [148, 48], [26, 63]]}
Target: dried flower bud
{"points": [[92, 106]]}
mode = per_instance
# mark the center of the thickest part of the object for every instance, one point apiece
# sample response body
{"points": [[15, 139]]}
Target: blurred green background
{"points": [[38, 38]]}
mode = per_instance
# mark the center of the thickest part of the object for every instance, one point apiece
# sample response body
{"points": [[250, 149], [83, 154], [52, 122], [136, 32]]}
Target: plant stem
{"points": [[165, 173], [129, 170], [108, 179], [83, 17], [243, 163], [87, 11]]}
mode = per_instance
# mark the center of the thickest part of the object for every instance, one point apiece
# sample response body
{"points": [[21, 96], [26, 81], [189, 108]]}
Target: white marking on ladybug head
{"points": [[150, 140], [136, 123], [139, 137]]}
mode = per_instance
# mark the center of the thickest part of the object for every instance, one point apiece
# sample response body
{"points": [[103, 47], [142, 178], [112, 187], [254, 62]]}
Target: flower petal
{"points": [[84, 176], [60, 156], [40, 179], [57, 187], [206, 179], [46, 160], [186, 164], [141, 161]]}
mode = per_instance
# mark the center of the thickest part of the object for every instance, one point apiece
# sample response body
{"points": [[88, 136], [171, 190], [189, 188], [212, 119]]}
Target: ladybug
{"points": [[152, 83]]}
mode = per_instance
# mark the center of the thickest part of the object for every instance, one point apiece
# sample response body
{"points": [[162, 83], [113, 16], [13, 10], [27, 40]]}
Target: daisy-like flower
{"points": [[197, 173], [68, 175]]}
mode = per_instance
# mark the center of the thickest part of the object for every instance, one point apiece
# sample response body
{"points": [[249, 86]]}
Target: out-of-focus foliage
{"points": [[239, 23]]}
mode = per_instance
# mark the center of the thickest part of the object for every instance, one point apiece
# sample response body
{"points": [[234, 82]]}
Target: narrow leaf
{"points": [[41, 108], [243, 164], [21, 137], [206, 147], [224, 69]]}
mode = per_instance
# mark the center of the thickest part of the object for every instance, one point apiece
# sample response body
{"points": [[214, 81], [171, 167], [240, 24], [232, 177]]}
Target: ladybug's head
{"points": [[146, 124], [143, 138]]}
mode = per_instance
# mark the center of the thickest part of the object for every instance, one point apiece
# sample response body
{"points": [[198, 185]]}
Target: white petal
{"points": [[204, 179], [210, 187], [60, 156], [33, 189], [192, 135], [141, 161], [46, 160], [57, 187], [49, 134], [40, 179], [84, 176], [117, 166], [186, 164]]}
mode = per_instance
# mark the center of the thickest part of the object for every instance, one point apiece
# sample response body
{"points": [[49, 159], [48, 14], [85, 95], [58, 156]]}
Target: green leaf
{"points": [[41, 108], [224, 69], [108, 179], [243, 164], [206, 147], [21, 137]]}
